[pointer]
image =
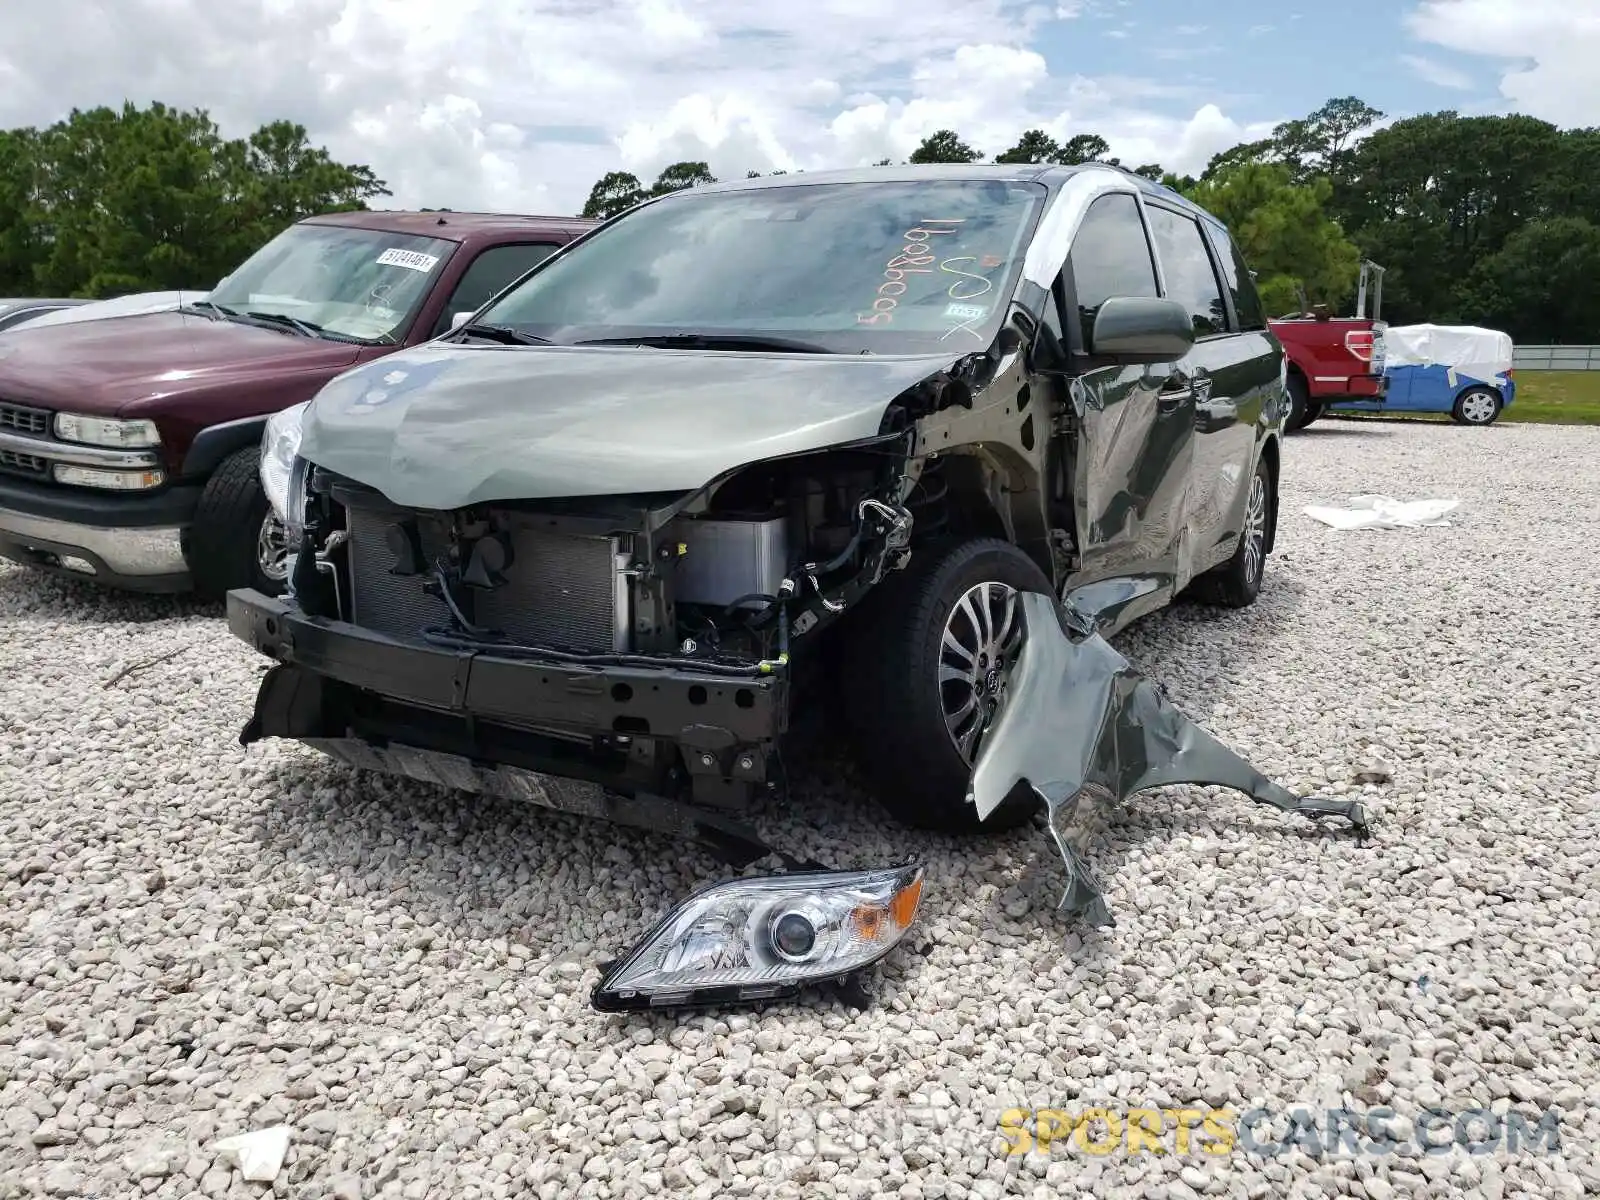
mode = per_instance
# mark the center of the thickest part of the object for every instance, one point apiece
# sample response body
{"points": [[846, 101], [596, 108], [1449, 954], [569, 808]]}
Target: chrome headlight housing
{"points": [[764, 938], [106, 431], [283, 471]]}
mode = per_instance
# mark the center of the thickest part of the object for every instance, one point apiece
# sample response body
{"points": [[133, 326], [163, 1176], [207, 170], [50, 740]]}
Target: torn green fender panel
{"points": [[1085, 730]]}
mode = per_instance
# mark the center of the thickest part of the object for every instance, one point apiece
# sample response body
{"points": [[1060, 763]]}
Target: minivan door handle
{"points": [[1179, 390]]}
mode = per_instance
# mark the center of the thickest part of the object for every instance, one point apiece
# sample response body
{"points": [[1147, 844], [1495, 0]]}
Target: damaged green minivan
{"points": [[902, 443], [590, 547]]}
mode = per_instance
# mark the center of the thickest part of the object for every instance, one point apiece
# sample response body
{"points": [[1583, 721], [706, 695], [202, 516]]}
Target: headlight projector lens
{"points": [[794, 936]]}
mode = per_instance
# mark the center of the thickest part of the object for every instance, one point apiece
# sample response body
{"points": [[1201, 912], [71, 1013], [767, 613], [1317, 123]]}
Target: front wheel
{"points": [[1477, 406], [934, 656], [1237, 582], [237, 540]]}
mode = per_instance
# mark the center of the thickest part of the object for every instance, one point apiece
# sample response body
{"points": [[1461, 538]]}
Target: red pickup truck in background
{"points": [[1334, 358]]}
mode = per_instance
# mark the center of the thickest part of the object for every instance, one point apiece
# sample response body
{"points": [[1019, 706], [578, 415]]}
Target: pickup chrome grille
{"points": [[31, 465], [561, 591], [18, 418]]}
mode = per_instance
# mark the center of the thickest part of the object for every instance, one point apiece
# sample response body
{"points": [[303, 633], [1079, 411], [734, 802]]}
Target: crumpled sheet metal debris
{"points": [[1085, 730], [1384, 512]]}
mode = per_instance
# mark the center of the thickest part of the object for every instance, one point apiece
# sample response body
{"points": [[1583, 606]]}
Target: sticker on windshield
{"points": [[411, 260], [967, 312]]}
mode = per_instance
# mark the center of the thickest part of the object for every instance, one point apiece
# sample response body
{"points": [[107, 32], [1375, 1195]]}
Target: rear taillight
{"points": [[1361, 343]]}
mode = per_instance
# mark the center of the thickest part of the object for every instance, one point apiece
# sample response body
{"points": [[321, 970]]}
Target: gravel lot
{"points": [[196, 940]]}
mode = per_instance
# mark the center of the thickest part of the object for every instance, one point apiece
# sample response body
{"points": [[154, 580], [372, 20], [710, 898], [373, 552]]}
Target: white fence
{"points": [[1556, 358]]}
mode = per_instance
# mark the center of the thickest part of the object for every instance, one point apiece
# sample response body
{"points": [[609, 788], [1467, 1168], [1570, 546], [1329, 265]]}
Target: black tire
{"points": [[894, 701], [1300, 406], [1313, 413], [1464, 413], [223, 542], [1237, 582]]}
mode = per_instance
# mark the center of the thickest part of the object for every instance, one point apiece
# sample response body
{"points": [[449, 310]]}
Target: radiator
{"points": [[562, 591]]}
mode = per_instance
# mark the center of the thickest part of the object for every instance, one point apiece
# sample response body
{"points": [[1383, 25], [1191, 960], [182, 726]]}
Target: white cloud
{"points": [[522, 104], [1552, 45], [1431, 71]]}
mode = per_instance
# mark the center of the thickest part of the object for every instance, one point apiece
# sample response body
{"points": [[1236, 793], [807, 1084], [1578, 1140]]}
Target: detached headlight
{"points": [[763, 938], [282, 472], [102, 431]]}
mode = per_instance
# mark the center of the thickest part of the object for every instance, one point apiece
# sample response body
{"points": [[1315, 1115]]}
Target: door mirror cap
{"points": [[457, 320], [1141, 329]]}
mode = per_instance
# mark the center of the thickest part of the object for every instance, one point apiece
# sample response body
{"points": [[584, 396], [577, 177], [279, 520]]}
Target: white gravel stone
{"points": [[197, 941]]}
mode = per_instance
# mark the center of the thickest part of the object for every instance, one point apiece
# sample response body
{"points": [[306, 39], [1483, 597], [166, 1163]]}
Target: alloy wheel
{"points": [[977, 651], [1255, 529]]}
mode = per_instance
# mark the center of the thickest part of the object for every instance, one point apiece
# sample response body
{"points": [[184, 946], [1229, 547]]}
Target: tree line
{"points": [[1478, 220], [110, 201]]}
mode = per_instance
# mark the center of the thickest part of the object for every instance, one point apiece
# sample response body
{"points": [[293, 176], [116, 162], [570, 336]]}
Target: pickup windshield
{"points": [[892, 267], [332, 281]]}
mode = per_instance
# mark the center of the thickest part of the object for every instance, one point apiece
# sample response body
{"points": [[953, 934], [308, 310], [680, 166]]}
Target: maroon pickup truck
{"points": [[129, 446]]}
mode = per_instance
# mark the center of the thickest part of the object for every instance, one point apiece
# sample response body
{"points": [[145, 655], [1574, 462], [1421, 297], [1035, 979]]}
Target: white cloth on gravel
{"points": [[1384, 512]]}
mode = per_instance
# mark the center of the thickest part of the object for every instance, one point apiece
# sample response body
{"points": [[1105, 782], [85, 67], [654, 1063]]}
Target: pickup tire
{"points": [[1300, 406], [1237, 582], [234, 528], [898, 700], [1477, 406]]}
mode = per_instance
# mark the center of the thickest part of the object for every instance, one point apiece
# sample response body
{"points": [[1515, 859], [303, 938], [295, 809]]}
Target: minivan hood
{"points": [[105, 367], [445, 425]]}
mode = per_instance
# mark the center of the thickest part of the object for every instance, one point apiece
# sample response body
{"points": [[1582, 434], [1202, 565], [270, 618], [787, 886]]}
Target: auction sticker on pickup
{"points": [[411, 260]]}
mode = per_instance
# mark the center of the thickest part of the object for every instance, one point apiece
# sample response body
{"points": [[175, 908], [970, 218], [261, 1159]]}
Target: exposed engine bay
{"points": [[722, 580]]}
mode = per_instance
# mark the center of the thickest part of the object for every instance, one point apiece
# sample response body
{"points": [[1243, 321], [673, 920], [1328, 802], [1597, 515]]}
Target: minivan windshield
{"points": [[892, 267], [333, 281]]}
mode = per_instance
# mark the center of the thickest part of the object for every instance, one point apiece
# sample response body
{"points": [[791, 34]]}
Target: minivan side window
{"points": [[490, 273], [1246, 300], [1186, 265], [1110, 257]]}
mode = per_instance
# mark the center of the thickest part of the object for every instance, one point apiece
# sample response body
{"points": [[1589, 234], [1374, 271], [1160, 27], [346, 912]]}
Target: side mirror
{"points": [[1141, 329], [457, 320]]}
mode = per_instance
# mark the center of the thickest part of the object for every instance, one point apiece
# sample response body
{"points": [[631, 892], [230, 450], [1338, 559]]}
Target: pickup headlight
{"points": [[103, 431], [282, 469], [763, 938]]}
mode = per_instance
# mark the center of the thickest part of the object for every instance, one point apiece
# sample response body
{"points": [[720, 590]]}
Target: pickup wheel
{"points": [[932, 658], [1477, 406], [237, 540], [1300, 407], [1237, 582]]}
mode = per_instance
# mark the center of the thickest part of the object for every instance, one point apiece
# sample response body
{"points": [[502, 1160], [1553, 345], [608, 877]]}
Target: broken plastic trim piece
{"points": [[1084, 730], [765, 937]]}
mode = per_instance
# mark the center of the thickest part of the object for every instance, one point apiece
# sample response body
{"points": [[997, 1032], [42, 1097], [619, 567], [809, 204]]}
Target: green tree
{"points": [[116, 200], [1244, 154], [1083, 148], [1034, 146], [1154, 172], [944, 147], [681, 175], [613, 192], [1284, 232], [1433, 196], [1320, 144], [1540, 286], [19, 239]]}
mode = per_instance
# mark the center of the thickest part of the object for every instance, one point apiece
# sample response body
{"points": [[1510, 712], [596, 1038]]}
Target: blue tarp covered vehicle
{"points": [[1457, 369]]}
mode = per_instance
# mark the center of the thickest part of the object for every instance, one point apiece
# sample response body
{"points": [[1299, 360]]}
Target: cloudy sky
{"points": [[521, 104]]}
